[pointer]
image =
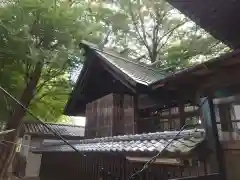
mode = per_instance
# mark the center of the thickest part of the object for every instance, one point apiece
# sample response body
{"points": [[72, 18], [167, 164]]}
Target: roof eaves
{"points": [[185, 142], [209, 63], [76, 88], [131, 79]]}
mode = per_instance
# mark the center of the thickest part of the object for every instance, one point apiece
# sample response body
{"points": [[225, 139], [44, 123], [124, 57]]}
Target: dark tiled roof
{"points": [[139, 73], [219, 17], [185, 142], [35, 128]]}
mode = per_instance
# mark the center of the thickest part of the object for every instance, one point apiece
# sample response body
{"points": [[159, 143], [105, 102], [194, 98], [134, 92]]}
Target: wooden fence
{"points": [[206, 177], [67, 165]]}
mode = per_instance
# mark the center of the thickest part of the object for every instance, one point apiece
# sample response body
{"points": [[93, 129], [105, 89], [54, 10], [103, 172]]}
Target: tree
{"points": [[39, 44], [158, 34]]}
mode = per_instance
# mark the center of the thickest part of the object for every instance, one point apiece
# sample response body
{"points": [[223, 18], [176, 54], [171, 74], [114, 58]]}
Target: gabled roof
{"points": [[184, 143], [131, 74], [37, 129], [137, 72], [219, 17]]}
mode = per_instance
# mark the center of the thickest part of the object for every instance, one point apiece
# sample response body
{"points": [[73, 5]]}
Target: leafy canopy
{"points": [[45, 31], [155, 32], [49, 31]]}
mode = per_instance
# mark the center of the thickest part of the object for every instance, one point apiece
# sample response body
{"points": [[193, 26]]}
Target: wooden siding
{"points": [[63, 165], [206, 177], [110, 115], [128, 114]]}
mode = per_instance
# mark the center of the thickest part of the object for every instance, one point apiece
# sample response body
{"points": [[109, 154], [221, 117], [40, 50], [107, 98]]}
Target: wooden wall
{"points": [[67, 165], [110, 115], [128, 117], [232, 159]]}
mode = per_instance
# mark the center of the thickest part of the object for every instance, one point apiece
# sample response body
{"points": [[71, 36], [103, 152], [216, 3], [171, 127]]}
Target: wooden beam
{"points": [[144, 102], [173, 116], [220, 78], [169, 161], [205, 177], [227, 100], [225, 117]]}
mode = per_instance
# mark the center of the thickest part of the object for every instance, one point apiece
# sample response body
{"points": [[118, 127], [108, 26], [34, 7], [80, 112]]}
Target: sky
{"points": [[78, 120]]}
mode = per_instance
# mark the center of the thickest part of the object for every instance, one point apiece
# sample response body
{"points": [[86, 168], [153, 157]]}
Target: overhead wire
{"points": [[39, 120], [50, 129], [145, 166], [21, 144], [153, 159]]}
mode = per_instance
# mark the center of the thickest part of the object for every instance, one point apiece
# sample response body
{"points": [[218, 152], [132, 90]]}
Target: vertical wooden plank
{"points": [[128, 117], [181, 113], [225, 117], [118, 128], [136, 112], [91, 123], [111, 115]]}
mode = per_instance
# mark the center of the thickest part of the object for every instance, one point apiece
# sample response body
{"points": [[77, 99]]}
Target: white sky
{"points": [[78, 120]]}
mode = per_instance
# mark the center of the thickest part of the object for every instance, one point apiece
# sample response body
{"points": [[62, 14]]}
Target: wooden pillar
{"points": [[136, 113], [216, 159], [182, 113], [225, 117]]}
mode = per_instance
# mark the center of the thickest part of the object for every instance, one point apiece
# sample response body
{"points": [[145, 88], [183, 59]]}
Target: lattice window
{"points": [[170, 119], [227, 112]]}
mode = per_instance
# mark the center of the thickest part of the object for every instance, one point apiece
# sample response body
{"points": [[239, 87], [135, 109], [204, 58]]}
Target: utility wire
{"points": [[21, 144], [52, 130], [146, 165], [38, 119]]}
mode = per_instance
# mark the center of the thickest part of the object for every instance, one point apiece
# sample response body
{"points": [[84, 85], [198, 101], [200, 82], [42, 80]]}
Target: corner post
{"points": [[216, 160]]}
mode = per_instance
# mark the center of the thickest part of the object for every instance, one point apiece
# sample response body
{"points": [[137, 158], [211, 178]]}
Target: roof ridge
{"points": [[70, 125], [127, 60], [156, 135], [192, 134], [95, 47]]}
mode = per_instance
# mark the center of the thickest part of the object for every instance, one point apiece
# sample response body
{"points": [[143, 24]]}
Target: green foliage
{"points": [[161, 33], [45, 31], [49, 31]]}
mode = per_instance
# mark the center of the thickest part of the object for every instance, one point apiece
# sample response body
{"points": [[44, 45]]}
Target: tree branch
{"points": [[49, 93], [135, 25], [58, 73], [169, 34]]}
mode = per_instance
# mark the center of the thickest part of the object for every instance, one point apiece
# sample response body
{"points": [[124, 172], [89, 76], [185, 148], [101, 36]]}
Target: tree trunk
{"points": [[7, 150]]}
